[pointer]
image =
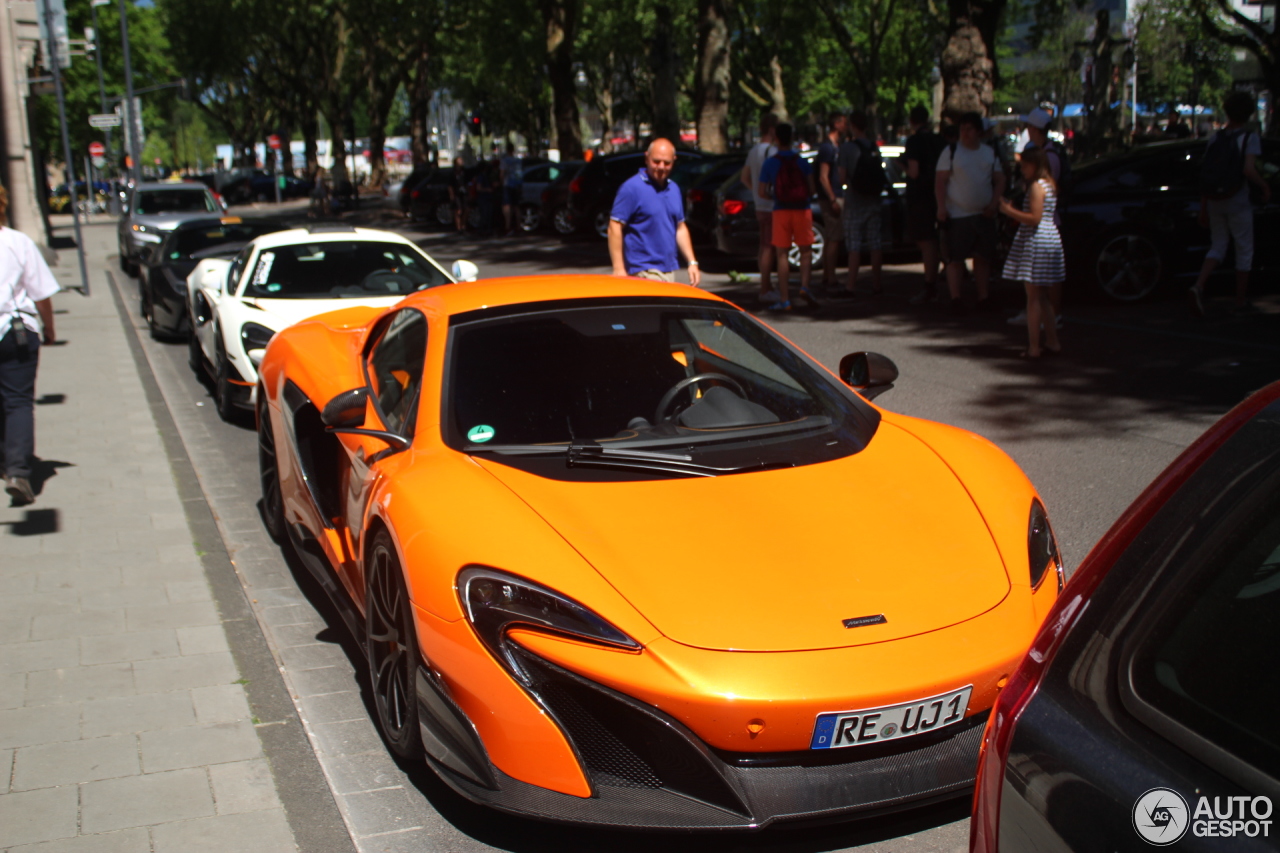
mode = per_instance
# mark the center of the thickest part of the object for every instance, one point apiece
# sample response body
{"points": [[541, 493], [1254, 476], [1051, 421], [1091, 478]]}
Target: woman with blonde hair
{"points": [[1036, 258], [26, 312]]}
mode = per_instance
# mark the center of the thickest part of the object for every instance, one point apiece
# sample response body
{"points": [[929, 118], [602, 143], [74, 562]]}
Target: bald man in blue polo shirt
{"points": [[647, 225]]}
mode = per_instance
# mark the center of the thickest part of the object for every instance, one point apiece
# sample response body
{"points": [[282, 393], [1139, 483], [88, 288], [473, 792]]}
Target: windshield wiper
{"points": [[590, 454]]}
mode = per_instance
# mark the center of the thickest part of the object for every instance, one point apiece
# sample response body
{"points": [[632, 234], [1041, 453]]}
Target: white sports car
{"points": [[279, 279]]}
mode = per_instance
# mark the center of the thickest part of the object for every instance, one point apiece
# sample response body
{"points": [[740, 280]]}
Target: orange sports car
{"points": [[622, 555]]}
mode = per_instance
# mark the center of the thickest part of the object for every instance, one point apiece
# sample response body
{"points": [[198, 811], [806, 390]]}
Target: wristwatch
{"points": [[693, 263]]}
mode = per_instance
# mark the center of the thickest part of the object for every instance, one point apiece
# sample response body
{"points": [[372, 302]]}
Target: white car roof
{"points": [[327, 233]]}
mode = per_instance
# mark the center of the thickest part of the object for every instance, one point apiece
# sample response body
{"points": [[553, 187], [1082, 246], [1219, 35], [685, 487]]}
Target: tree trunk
{"points": [[309, 133], [561, 20], [777, 92], [968, 60], [662, 60], [338, 147], [420, 110], [286, 151], [711, 84]]}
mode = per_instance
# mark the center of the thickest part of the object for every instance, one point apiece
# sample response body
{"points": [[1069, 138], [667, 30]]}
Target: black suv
{"points": [[591, 192]]}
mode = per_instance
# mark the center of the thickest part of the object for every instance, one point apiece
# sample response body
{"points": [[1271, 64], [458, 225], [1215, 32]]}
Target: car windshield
{"points": [[680, 376], [173, 201], [189, 241], [352, 269]]}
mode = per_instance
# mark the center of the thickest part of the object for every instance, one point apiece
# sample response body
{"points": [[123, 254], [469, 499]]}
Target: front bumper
{"points": [[647, 770]]}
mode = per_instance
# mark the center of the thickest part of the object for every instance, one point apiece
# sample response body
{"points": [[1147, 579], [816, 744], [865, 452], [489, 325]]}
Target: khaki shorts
{"points": [[655, 275], [832, 226]]}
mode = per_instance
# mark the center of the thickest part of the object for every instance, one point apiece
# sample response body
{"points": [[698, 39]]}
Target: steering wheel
{"points": [[668, 397], [383, 280]]}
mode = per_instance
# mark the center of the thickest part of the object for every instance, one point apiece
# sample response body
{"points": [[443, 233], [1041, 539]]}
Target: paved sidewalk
{"points": [[124, 722]]}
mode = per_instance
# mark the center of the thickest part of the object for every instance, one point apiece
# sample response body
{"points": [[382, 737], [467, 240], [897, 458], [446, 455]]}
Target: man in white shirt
{"points": [[762, 151], [969, 184], [26, 312]]}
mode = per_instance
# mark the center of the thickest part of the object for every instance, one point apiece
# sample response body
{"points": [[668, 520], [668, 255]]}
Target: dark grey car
{"points": [[153, 210]]}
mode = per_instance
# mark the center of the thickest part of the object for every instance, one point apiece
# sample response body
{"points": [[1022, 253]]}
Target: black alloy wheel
{"points": [[1128, 266], [123, 257], [195, 355], [223, 393], [269, 472], [444, 213], [562, 221], [392, 648], [149, 311], [530, 218], [601, 225]]}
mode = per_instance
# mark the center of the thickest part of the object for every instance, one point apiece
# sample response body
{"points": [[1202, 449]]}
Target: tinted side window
{"points": [[1210, 661], [395, 369], [237, 267]]}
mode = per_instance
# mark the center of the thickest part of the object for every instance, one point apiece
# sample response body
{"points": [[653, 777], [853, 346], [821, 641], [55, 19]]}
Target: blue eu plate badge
{"points": [[840, 729]]}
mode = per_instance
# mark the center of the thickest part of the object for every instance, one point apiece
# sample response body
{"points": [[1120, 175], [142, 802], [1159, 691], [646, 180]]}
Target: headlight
{"points": [[255, 336], [495, 601], [1042, 548]]}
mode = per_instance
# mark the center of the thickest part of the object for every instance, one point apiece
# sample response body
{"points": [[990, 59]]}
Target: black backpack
{"points": [[868, 174], [1222, 169]]}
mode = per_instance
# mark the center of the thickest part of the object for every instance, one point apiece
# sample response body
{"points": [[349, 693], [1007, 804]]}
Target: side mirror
{"points": [[465, 271], [870, 373], [346, 410]]}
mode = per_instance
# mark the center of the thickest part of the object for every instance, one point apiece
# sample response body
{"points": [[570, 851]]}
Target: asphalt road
{"points": [[1091, 429]]}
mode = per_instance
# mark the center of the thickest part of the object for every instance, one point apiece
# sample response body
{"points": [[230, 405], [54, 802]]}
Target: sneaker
{"points": [[1057, 321], [1196, 299], [1018, 319], [19, 488], [780, 306], [809, 297], [927, 294], [770, 297]]}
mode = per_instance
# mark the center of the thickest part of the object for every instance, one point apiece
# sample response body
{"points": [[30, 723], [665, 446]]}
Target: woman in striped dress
{"points": [[1035, 259]]}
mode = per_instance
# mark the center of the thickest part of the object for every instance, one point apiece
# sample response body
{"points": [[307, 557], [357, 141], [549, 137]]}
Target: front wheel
{"points": [[601, 225], [269, 472], [195, 355], [530, 218], [563, 222], [223, 392], [392, 648], [444, 213], [1128, 267]]}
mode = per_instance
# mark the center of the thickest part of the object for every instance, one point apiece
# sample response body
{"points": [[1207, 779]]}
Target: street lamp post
{"points": [[97, 54], [130, 120], [55, 66]]}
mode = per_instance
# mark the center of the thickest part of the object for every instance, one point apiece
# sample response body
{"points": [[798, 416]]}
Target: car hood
{"points": [[777, 560], [166, 221], [279, 313]]}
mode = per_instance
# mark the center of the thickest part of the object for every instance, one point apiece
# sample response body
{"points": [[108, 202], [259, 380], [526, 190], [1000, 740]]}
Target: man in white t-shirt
{"points": [[25, 313], [760, 152], [1230, 219], [968, 186]]}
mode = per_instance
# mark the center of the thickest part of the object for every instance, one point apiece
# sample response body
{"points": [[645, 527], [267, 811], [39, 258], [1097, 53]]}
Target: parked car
{"points": [[591, 192], [151, 210], [1129, 221], [237, 305], [261, 186], [555, 203], [429, 199], [418, 175], [451, 469], [700, 200], [1146, 695], [536, 179], [163, 271], [738, 234]]}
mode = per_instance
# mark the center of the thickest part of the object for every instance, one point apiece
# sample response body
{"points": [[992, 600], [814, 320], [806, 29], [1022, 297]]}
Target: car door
{"points": [[393, 368]]}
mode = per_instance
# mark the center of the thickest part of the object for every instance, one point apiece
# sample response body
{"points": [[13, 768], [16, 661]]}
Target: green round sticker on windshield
{"points": [[480, 434]]}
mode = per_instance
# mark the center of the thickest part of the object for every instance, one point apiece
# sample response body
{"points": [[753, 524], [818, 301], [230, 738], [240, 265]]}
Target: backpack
{"points": [[791, 186], [868, 176], [1222, 169]]}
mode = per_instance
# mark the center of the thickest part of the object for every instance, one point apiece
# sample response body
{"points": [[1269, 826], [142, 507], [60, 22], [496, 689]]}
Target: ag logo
{"points": [[1160, 816]]}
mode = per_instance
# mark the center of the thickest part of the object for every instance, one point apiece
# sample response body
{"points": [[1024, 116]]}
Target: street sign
{"points": [[97, 149], [99, 162], [104, 120], [61, 45], [274, 142]]}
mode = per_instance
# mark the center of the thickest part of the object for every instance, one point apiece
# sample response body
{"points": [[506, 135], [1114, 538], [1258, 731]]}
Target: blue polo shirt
{"points": [[649, 215]]}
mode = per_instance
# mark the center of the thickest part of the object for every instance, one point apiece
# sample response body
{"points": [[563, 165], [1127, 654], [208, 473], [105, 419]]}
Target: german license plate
{"points": [[838, 729]]}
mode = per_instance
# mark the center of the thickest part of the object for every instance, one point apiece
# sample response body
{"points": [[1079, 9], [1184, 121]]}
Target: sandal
{"points": [[1026, 353]]}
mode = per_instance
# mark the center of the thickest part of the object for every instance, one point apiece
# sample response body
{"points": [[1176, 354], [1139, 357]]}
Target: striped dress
{"points": [[1036, 253]]}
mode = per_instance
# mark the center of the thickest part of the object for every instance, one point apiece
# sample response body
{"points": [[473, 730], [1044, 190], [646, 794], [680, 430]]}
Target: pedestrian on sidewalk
{"points": [[458, 194], [968, 188], [829, 195], [1036, 259], [862, 173], [922, 151], [1228, 167], [787, 179], [646, 225], [761, 151], [1038, 123], [26, 315], [512, 186]]}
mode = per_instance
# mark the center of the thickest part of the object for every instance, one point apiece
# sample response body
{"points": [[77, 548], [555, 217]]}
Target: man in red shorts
{"points": [[787, 179]]}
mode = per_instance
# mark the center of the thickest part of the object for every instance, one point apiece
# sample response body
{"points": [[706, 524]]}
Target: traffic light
{"points": [[474, 123]]}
